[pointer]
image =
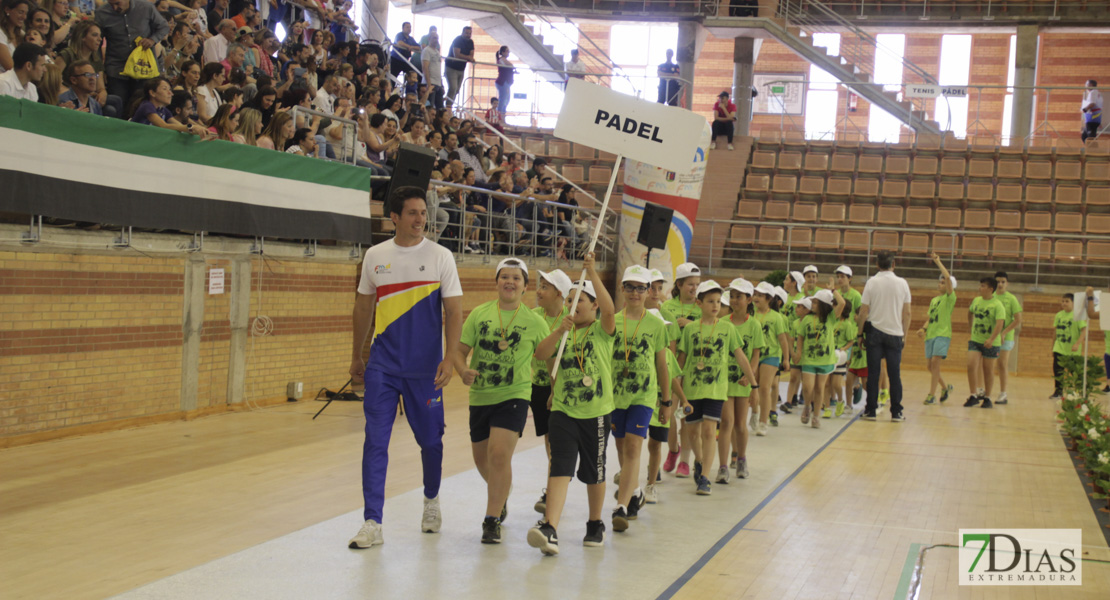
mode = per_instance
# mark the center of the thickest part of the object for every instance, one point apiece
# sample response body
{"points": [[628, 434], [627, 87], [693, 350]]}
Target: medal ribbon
{"points": [[504, 329]]}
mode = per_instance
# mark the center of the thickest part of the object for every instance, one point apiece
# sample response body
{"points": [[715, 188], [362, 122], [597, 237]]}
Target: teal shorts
{"points": [[818, 369]]}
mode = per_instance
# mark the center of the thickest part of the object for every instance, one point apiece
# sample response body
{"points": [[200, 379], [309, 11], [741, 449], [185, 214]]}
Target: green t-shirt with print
{"points": [[790, 310], [1013, 307], [940, 316], [854, 300], [503, 373], [673, 330], [540, 375], [985, 314], [635, 344], [859, 352], [774, 324], [682, 311], [844, 333], [817, 342], [751, 339], [1067, 332], [710, 347], [588, 353], [673, 371]]}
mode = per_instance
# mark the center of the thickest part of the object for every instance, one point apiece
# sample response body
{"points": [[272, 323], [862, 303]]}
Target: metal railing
{"points": [[1044, 265], [350, 155]]}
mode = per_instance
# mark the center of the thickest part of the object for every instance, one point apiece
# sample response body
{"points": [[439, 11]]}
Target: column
{"points": [[371, 10], [239, 320], [192, 321], [744, 52], [689, 47], [1025, 76]]}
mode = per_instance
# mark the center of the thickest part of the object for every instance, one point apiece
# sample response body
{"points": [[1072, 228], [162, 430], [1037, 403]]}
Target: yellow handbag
{"points": [[141, 64]]}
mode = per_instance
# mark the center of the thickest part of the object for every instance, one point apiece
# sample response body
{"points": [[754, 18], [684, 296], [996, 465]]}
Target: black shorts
{"points": [[582, 441], [707, 410], [510, 414], [540, 412], [658, 434]]}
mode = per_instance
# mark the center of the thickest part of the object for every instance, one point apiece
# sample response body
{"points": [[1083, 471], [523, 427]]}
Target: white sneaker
{"points": [[753, 421], [730, 147], [432, 520], [369, 535], [712, 145], [761, 429], [652, 495]]}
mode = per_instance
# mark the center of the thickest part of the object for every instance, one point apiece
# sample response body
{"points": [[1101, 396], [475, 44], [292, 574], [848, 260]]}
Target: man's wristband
{"points": [[667, 403]]}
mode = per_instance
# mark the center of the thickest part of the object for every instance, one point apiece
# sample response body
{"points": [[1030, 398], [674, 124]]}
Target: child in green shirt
{"points": [[777, 351], [816, 352], [659, 429], [937, 331], [551, 295], [1067, 340], [734, 418], [985, 319]]}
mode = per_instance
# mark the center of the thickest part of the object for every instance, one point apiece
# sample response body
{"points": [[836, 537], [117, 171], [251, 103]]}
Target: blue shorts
{"points": [[634, 420], [991, 352], [709, 410], [937, 346], [818, 369], [1007, 345], [774, 361]]}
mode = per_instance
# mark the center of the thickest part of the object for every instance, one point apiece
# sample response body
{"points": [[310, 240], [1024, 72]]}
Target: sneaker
{"points": [[805, 415], [369, 535], [930, 399], [617, 478], [897, 418], [541, 505], [659, 477], [543, 536], [868, 416], [839, 408], [986, 403], [638, 501], [815, 422], [620, 520], [722, 475], [730, 147], [432, 520], [732, 463], [971, 401], [651, 495], [944, 393], [491, 531], [698, 471], [504, 512], [827, 413], [668, 465], [1054, 396], [1106, 389], [884, 397], [712, 145], [857, 395], [785, 408], [753, 420], [774, 418], [1002, 399], [468, 250], [742, 468], [761, 430], [683, 471], [595, 534], [703, 487]]}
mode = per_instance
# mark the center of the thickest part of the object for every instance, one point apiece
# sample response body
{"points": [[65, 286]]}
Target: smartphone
{"points": [[362, 111], [299, 72]]}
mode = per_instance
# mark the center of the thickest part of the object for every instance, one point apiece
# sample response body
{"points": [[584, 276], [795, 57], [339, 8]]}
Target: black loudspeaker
{"points": [[414, 167], [656, 225]]}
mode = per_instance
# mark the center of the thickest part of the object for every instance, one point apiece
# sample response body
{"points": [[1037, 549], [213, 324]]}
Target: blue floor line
{"points": [[709, 554]]}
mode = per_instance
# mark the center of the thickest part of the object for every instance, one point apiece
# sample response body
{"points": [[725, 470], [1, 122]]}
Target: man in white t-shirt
{"points": [[1092, 110], [576, 68], [408, 285], [884, 321], [29, 65], [325, 96]]}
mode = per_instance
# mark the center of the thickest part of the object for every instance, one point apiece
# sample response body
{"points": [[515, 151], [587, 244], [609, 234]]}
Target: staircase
{"points": [[500, 22]]}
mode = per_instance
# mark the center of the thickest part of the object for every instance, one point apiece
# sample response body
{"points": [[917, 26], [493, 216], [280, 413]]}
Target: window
{"points": [[821, 101], [639, 50], [1008, 101], [882, 126], [955, 68]]}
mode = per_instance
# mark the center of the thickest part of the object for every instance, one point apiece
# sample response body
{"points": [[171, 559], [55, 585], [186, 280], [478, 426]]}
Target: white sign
{"points": [[215, 281], [954, 91], [1021, 557], [922, 90], [657, 134], [779, 93]]}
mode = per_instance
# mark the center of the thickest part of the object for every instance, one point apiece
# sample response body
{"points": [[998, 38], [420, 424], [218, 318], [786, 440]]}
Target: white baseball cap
{"points": [[806, 302], [687, 270], [559, 279], [726, 299], [657, 275], [708, 286], [765, 288], [742, 285], [825, 296], [810, 268], [781, 293], [637, 274], [655, 311], [515, 263], [587, 288], [799, 279], [845, 269], [952, 278]]}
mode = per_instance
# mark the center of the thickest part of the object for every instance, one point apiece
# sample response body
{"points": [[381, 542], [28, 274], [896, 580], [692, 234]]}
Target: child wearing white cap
{"points": [[639, 365], [810, 273], [551, 294], [578, 429], [777, 350], [793, 286], [734, 418], [816, 352], [684, 309], [706, 349], [801, 307], [658, 430], [503, 338], [937, 331]]}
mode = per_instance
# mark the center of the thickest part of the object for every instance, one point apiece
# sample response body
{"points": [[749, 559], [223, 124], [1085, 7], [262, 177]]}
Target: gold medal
{"points": [[701, 365], [503, 344], [625, 372], [588, 381]]}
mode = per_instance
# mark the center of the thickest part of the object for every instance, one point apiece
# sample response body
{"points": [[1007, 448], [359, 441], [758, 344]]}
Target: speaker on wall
{"points": [[414, 167], [655, 226]]}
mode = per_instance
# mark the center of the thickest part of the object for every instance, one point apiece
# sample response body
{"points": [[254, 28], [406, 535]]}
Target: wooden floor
{"points": [[98, 515]]}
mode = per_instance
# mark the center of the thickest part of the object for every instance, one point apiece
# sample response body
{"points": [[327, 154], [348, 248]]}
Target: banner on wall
{"points": [[678, 190]]}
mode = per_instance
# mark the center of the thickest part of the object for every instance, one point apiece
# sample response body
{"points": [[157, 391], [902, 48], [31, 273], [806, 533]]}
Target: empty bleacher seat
{"points": [[1068, 169], [1098, 196], [898, 165], [800, 238], [1098, 251], [953, 167], [777, 211], [977, 218], [771, 236], [919, 216], [1069, 195], [1007, 220], [1038, 169], [749, 209], [558, 148], [743, 235], [980, 167], [1067, 250], [1032, 248], [535, 147], [843, 163], [584, 152], [811, 186], [827, 239], [833, 212], [1068, 222], [1036, 220], [915, 243], [1006, 247], [785, 184], [817, 161], [855, 239], [944, 243], [861, 214], [950, 191], [754, 182], [925, 166], [948, 218], [805, 212], [886, 240], [923, 189], [790, 161], [1038, 193], [980, 192], [599, 174], [1010, 169], [838, 186], [976, 245], [763, 160], [1097, 171], [890, 215], [870, 164], [866, 189], [1098, 224], [576, 173], [1009, 193]]}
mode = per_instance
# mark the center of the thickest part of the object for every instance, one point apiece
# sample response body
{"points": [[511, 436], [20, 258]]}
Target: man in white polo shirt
{"points": [[884, 320], [29, 64]]}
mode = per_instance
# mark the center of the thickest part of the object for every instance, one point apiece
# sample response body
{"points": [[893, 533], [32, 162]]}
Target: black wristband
{"points": [[668, 403]]}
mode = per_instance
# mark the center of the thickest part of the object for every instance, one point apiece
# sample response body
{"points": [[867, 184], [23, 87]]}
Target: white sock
{"points": [[621, 506], [636, 492]]}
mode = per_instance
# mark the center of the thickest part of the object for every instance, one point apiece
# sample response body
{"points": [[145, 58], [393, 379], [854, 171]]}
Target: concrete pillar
{"points": [[744, 52], [691, 36], [379, 10], [192, 321], [239, 320], [1025, 76]]}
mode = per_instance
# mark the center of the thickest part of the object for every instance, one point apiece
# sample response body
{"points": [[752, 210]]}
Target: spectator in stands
{"points": [[450, 144], [539, 168], [121, 21], [280, 129], [442, 123], [319, 49], [182, 109], [189, 79], [435, 143], [1092, 110], [264, 45], [416, 133], [514, 162], [493, 161], [380, 146], [212, 77], [325, 97], [575, 68], [153, 110], [264, 102], [232, 95], [13, 16], [414, 105], [669, 84], [83, 82], [504, 81], [461, 52], [179, 47], [391, 108], [567, 217], [225, 122], [471, 155], [248, 17], [29, 64], [40, 22], [494, 115], [303, 143], [215, 47], [463, 128], [218, 14], [418, 56], [199, 22], [85, 44], [64, 20], [432, 62], [724, 113]]}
